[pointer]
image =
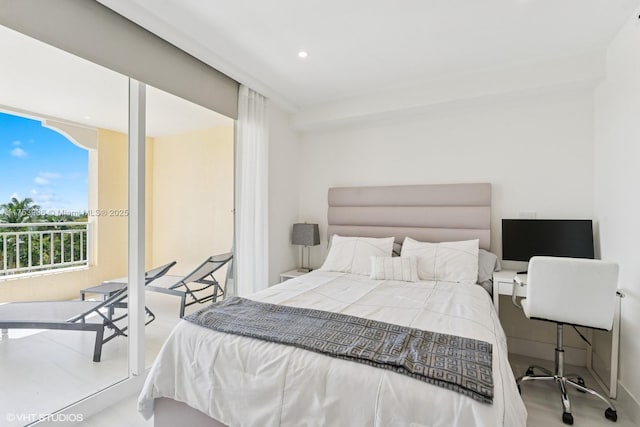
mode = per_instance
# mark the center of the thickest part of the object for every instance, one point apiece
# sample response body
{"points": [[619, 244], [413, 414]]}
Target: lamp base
{"points": [[304, 270]]}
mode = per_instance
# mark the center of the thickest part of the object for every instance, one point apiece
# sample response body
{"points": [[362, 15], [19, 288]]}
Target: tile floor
{"points": [[57, 364], [43, 371], [542, 402]]}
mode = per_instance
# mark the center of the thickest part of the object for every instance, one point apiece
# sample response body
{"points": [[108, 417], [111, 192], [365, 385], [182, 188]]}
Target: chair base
{"points": [[563, 381]]}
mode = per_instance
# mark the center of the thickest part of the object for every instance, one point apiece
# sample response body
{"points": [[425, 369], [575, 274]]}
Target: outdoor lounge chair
{"points": [[190, 287], [74, 315], [113, 286]]}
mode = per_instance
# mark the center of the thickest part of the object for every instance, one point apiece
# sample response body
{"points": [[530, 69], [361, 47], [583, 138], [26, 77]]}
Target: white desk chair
{"points": [[571, 291]]}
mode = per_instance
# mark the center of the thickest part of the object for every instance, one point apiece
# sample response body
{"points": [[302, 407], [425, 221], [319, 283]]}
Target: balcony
{"points": [[45, 370], [34, 247], [188, 214]]}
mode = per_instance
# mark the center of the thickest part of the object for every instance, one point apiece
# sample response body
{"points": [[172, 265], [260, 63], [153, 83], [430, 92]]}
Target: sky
{"points": [[42, 164]]}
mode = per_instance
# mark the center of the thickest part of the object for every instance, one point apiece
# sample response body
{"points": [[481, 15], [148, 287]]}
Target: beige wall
{"points": [[189, 201], [111, 257], [113, 195], [192, 197]]}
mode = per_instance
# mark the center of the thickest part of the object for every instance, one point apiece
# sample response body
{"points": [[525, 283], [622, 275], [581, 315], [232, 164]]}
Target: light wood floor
{"points": [[545, 408]]}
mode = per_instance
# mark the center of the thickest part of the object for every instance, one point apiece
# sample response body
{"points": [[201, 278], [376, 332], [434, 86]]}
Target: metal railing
{"points": [[31, 247]]}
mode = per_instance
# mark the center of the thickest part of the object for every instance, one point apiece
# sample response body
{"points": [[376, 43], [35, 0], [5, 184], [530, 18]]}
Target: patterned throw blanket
{"points": [[455, 363]]}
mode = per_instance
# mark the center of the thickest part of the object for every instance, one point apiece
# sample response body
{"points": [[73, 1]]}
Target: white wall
{"points": [[536, 151], [617, 178], [283, 192], [457, 88]]}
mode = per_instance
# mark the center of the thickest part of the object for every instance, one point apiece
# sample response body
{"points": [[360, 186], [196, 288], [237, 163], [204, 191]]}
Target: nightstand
{"points": [[503, 285], [290, 275]]}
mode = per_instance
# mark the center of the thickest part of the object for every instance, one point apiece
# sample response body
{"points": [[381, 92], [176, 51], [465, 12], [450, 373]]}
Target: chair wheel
{"points": [[611, 414], [567, 418], [582, 383], [529, 371]]}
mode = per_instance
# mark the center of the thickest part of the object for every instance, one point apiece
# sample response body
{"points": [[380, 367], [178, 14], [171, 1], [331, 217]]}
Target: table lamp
{"points": [[305, 235]]}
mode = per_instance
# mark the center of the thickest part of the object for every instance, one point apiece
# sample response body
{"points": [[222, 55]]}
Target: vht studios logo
{"points": [[25, 418]]}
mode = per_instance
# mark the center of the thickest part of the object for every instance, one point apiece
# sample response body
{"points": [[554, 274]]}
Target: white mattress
{"points": [[248, 382]]}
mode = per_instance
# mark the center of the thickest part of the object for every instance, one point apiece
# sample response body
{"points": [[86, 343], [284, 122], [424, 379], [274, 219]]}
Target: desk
{"points": [[503, 285]]}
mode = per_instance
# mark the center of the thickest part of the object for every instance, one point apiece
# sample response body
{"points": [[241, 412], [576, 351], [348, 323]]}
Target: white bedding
{"points": [[247, 382]]}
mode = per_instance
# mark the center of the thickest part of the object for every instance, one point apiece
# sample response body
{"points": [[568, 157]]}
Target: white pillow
{"points": [[394, 268], [353, 254], [446, 261]]}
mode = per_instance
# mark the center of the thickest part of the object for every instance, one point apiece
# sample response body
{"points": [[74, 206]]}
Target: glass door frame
{"points": [[136, 226]]}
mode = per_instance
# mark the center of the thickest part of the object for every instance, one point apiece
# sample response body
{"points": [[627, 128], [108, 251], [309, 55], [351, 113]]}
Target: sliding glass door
{"points": [[189, 202], [63, 228], [102, 178]]}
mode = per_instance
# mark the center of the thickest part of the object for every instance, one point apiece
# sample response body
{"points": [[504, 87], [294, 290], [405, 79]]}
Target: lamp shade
{"points": [[306, 234]]}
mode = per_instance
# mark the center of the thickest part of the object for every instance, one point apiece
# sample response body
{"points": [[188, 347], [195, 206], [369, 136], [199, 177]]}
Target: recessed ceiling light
{"points": [[303, 54], [87, 117]]}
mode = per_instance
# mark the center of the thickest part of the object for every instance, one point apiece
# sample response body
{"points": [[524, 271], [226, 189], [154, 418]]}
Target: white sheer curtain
{"points": [[252, 221]]}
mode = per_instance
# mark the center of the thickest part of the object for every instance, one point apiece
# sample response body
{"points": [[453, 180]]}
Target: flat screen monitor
{"points": [[525, 238]]}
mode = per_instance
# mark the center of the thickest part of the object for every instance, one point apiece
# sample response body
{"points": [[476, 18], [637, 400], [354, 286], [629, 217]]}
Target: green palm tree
{"points": [[18, 211]]}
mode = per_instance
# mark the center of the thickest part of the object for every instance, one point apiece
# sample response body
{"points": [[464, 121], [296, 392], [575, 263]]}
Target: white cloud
{"points": [[17, 143], [49, 175], [49, 200], [19, 153], [45, 178]]}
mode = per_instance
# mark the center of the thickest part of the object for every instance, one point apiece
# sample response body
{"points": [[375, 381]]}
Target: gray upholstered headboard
{"points": [[429, 213]]}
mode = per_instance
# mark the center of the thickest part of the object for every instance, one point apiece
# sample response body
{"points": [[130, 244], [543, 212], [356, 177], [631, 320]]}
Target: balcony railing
{"points": [[32, 247]]}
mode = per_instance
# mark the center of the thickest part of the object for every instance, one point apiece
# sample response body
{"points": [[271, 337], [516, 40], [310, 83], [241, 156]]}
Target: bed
{"points": [[207, 378]]}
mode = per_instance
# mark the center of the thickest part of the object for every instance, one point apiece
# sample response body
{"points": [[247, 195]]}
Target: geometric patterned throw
{"points": [[459, 364]]}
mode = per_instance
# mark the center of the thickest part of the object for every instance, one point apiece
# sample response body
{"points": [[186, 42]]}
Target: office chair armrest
{"points": [[517, 281]]}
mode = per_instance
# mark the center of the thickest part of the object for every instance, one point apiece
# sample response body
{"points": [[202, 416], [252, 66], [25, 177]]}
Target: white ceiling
{"points": [[357, 49], [48, 82], [359, 46]]}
